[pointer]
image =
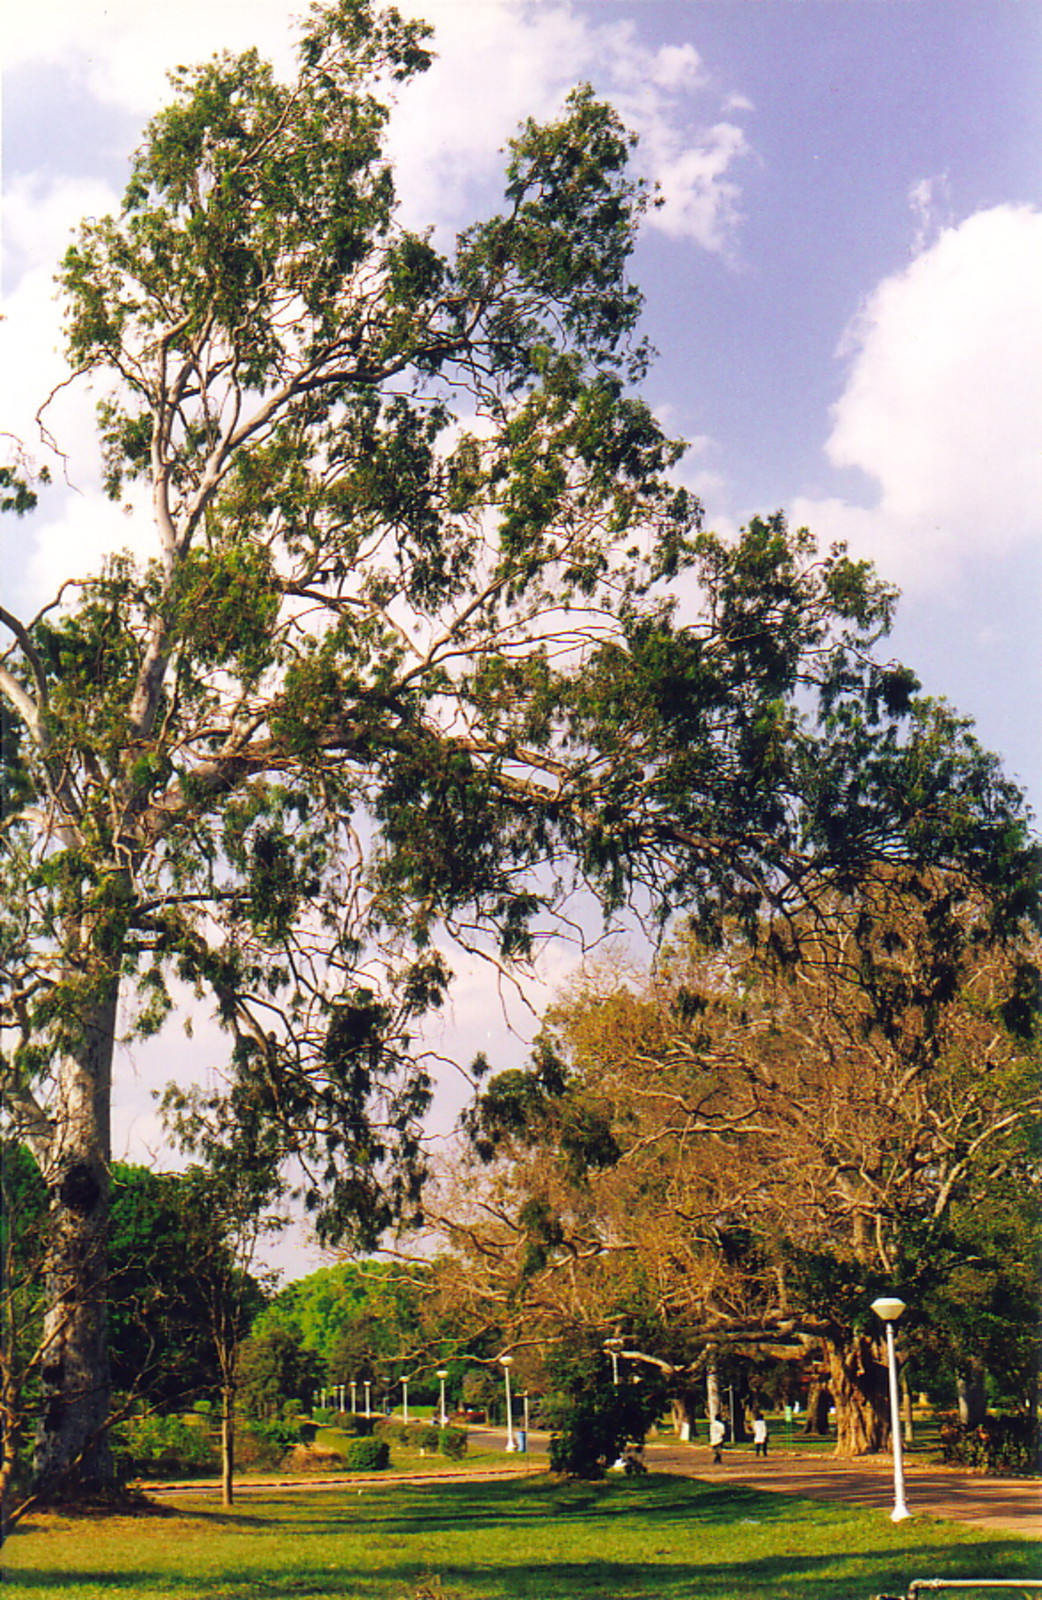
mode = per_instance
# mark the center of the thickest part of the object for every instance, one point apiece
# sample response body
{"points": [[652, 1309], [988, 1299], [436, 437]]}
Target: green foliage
{"points": [[166, 1447], [1011, 1444], [591, 1419], [452, 1442], [169, 1253], [275, 1367], [367, 1455]]}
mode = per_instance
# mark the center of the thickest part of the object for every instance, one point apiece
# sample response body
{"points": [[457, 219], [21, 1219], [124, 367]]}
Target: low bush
{"points": [[262, 1446], [998, 1444], [367, 1455], [165, 1447], [313, 1458], [452, 1442], [282, 1436]]}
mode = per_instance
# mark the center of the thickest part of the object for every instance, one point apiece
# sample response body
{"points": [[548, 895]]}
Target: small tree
{"points": [[275, 1366], [592, 1419]]}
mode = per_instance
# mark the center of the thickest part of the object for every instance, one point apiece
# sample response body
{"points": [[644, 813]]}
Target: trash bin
{"points": [[522, 1439]]}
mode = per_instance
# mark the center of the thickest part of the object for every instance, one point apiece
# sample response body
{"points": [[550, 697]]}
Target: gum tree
{"points": [[403, 664]]}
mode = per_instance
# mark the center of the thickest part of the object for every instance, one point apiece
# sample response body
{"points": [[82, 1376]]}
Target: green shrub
{"points": [[367, 1455], [998, 1444], [452, 1442], [158, 1447], [355, 1422], [321, 1415], [428, 1437], [255, 1449], [592, 1421]]}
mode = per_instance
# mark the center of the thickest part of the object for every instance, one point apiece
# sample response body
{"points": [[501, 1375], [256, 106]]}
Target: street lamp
{"points": [[367, 1386], [441, 1375], [506, 1362], [405, 1401], [888, 1309], [613, 1346]]}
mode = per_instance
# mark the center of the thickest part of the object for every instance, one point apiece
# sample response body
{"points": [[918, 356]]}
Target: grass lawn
{"points": [[671, 1538]]}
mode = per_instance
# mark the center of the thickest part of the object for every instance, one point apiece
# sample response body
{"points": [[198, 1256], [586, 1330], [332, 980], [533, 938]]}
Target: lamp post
{"points": [[405, 1401], [888, 1309], [613, 1346], [367, 1386], [506, 1362], [354, 1396], [441, 1375]]}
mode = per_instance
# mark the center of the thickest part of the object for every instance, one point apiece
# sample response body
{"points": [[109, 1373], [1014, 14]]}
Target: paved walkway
{"points": [[1011, 1504]]}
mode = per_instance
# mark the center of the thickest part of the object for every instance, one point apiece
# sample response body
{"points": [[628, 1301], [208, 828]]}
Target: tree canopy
{"points": [[743, 1148], [407, 660]]}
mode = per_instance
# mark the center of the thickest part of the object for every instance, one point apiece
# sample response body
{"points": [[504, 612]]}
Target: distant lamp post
{"points": [[506, 1362], [613, 1346], [367, 1386], [441, 1375], [888, 1310], [354, 1396], [405, 1401]]}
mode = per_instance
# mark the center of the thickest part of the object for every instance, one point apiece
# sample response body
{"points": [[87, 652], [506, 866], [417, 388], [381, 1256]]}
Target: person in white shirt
{"points": [[717, 1435], [759, 1434]]}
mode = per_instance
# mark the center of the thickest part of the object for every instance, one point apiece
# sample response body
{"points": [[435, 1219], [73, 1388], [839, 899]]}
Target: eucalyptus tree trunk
{"points": [[72, 1448], [714, 1405]]}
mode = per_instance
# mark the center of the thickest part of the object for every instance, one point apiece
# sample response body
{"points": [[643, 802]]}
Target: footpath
{"points": [[1013, 1505]]}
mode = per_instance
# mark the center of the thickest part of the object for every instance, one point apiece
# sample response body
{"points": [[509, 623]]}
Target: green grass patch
{"points": [[672, 1538]]}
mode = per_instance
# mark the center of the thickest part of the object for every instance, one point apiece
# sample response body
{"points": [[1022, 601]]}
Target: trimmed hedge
{"points": [[452, 1442], [367, 1455]]}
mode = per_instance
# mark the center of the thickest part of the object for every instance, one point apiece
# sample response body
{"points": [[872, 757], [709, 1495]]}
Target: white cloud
{"points": [[122, 49], [498, 61], [509, 59], [943, 406]]}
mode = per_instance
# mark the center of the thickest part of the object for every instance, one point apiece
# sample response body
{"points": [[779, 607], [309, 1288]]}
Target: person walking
{"points": [[717, 1435], [759, 1434]]}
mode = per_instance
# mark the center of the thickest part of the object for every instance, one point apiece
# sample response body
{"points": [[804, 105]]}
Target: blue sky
{"points": [[843, 282]]}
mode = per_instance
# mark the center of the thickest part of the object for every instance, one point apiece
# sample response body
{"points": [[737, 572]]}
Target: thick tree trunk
{"points": [[971, 1389], [819, 1402], [684, 1409], [72, 1448], [858, 1380]]}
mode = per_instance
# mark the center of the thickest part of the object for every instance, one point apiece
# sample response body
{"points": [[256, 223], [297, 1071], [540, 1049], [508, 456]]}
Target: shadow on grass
{"points": [[782, 1577], [688, 1545], [515, 1508]]}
